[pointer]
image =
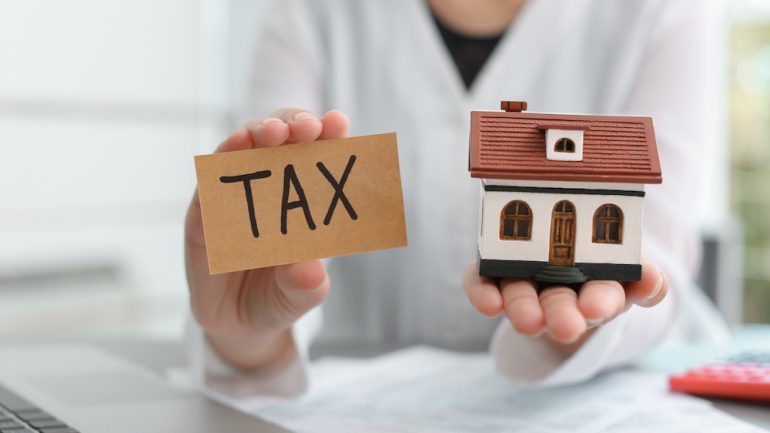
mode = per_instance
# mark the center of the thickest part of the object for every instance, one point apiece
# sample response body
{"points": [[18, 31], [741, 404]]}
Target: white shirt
{"points": [[384, 64]]}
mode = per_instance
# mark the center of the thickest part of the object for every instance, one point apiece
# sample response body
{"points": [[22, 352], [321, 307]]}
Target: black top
{"points": [[469, 53]]}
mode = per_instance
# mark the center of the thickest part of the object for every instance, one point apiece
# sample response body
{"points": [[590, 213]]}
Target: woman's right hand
{"points": [[247, 315]]}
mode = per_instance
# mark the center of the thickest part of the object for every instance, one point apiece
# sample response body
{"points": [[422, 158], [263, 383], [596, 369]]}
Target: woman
{"points": [[419, 68]]}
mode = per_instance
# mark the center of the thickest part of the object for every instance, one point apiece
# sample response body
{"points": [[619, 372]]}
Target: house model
{"points": [[562, 193]]}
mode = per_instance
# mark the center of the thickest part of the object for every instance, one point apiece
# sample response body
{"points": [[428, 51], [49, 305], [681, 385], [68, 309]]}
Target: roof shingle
{"points": [[511, 145]]}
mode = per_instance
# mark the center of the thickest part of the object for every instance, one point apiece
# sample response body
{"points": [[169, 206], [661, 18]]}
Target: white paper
{"points": [[429, 390]]}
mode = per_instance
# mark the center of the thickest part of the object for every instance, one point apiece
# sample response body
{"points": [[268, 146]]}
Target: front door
{"points": [[562, 250]]}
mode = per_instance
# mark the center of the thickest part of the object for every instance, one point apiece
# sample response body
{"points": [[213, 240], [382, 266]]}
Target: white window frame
{"points": [[553, 135]]}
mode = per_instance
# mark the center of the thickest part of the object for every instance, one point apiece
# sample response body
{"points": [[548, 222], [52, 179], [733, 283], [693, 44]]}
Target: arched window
{"points": [[608, 225], [564, 145], [564, 207], [516, 221]]}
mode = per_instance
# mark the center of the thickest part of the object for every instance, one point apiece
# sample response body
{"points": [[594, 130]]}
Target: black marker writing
{"points": [[290, 179], [246, 179], [338, 194]]}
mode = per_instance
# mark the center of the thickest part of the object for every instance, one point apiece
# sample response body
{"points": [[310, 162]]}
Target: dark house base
{"points": [[545, 273]]}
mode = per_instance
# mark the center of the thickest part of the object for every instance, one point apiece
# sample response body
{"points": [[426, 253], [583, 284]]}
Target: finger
{"points": [[600, 301], [302, 285], [523, 306], [482, 292], [563, 320], [651, 289], [238, 140], [267, 132], [335, 125], [304, 126]]}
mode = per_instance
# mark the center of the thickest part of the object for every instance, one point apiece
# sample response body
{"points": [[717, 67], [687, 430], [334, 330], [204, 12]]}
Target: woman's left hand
{"points": [[564, 314]]}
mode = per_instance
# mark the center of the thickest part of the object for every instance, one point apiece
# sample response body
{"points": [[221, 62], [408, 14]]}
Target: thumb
{"points": [[302, 286]]}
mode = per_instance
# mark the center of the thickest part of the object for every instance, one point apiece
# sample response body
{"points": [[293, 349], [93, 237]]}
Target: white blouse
{"points": [[385, 64]]}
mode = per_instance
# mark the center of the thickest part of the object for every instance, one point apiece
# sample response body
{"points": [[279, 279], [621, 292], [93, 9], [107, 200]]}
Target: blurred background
{"points": [[749, 143], [103, 104]]}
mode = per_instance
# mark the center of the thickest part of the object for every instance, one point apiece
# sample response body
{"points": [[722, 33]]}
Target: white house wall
{"points": [[481, 216], [566, 184], [541, 204]]}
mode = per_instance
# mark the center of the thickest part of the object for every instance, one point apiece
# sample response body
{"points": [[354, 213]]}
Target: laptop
{"points": [[68, 388]]}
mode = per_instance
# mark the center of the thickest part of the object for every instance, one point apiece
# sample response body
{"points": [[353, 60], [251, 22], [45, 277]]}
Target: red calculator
{"points": [[745, 376]]}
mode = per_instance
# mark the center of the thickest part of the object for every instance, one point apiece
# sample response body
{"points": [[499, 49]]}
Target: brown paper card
{"points": [[371, 219]]}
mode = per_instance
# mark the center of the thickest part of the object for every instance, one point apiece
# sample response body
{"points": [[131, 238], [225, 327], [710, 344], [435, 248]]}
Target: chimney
{"points": [[513, 106]]}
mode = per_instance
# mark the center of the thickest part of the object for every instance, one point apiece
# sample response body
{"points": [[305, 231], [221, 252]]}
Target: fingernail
{"points": [[268, 120], [594, 322], [336, 111], [304, 115], [656, 290]]}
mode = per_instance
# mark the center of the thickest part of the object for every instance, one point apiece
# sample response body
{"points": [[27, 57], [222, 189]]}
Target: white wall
{"points": [[541, 205], [103, 104], [244, 22]]}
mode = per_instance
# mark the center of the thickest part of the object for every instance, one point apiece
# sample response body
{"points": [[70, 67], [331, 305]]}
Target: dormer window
{"points": [[563, 142], [564, 145]]}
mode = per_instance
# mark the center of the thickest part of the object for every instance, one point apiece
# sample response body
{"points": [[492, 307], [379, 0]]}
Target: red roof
{"points": [[511, 145]]}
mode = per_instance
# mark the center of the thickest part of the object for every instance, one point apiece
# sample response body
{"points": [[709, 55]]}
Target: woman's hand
{"points": [[561, 312], [247, 315]]}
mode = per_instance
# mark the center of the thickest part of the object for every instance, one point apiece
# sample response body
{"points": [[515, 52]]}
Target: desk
{"points": [[160, 355]]}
